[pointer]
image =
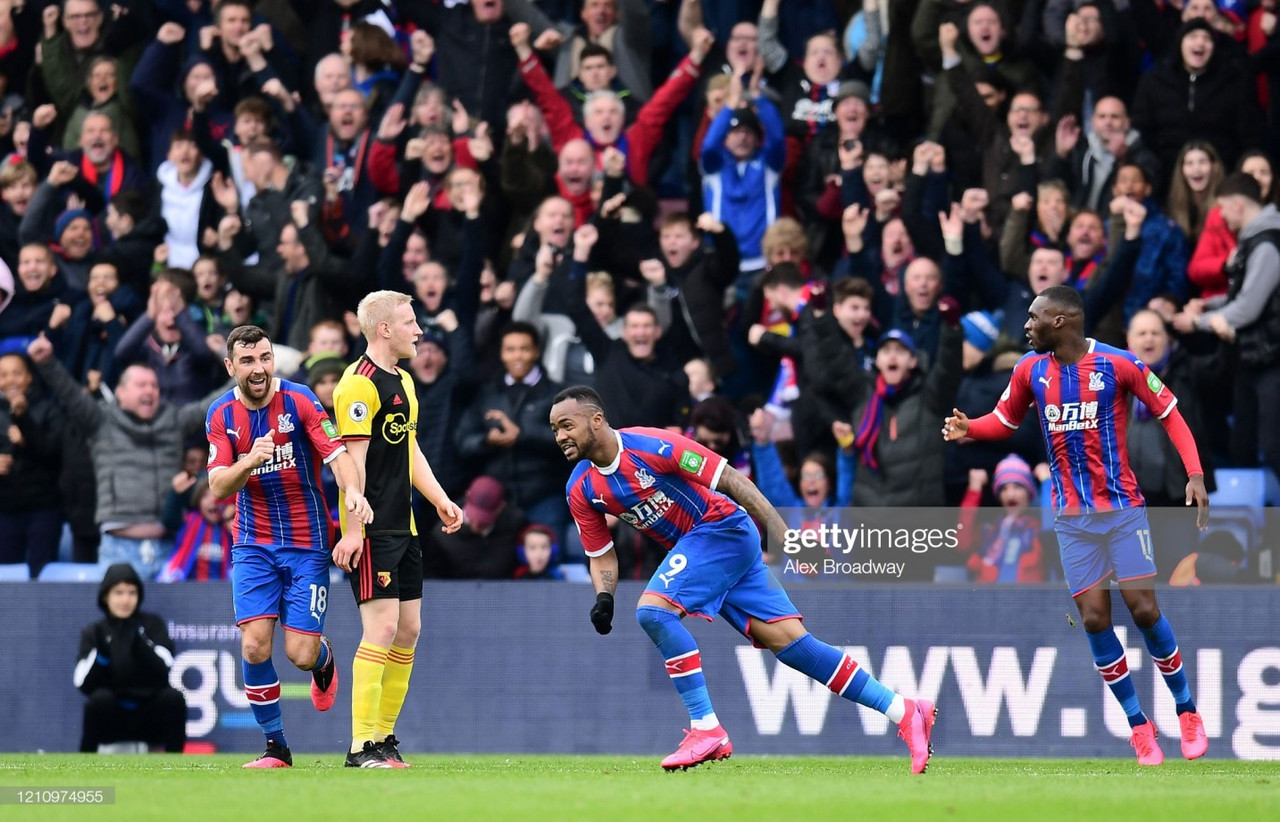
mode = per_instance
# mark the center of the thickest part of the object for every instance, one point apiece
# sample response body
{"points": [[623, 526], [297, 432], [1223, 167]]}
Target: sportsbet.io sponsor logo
{"points": [[1071, 416], [395, 427], [692, 462]]}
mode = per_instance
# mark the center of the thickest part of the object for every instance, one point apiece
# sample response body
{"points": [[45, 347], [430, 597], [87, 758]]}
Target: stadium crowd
{"points": [[799, 231]]}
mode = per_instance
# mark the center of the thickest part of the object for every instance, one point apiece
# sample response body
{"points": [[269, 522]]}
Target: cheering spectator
{"points": [[170, 344], [30, 452], [1009, 551], [1196, 93], [603, 115], [202, 548]]}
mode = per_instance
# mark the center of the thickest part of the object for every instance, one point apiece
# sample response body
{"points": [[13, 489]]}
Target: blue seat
{"points": [[17, 572], [1239, 488], [951, 574], [575, 572], [71, 572]]}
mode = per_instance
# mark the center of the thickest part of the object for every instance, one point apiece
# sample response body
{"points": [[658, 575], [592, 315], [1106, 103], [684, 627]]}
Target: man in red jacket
{"points": [[604, 113]]}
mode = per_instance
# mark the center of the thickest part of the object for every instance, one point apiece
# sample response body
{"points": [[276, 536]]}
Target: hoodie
{"points": [[1261, 276], [163, 100], [180, 206], [1216, 104], [131, 656]]}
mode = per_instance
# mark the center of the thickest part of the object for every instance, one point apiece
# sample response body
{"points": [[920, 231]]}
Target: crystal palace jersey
{"points": [[661, 484], [1083, 410], [283, 502]]}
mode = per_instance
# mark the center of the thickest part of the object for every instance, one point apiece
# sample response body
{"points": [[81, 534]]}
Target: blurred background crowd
{"points": [[798, 231]]}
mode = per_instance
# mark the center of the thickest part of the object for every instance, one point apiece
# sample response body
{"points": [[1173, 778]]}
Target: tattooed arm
{"points": [[604, 576], [604, 572], [742, 491]]}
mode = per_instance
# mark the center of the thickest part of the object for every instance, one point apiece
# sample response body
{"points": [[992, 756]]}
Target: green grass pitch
{"points": [[615, 788]]}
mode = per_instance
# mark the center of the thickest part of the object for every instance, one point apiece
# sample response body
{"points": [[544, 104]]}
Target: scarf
{"points": [[1009, 543], [1041, 240], [342, 158], [864, 440], [1079, 277], [583, 207], [115, 175]]}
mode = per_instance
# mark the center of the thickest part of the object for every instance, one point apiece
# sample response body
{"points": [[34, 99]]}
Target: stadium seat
{"points": [[17, 572], [71, 572], [575, 572], [1239, 488], [951, 574], [558, 333]]}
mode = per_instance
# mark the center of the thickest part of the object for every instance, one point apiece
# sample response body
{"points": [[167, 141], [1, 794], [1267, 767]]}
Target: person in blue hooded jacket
{"points": [[1162, 263]]}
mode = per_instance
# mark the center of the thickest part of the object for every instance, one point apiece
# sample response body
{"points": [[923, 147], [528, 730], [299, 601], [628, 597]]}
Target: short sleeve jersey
{"points": [[661, 484], [381, 407], [1083, 412], [283, 501]]}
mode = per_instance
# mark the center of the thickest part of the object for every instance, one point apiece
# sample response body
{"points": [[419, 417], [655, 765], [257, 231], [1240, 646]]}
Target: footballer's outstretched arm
{"points": [[744, 492], [424, 479]]}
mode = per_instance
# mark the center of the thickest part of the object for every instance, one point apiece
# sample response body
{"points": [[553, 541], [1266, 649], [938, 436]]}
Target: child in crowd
{"points": [[202, 549], [1010, 550], [538, 554]]}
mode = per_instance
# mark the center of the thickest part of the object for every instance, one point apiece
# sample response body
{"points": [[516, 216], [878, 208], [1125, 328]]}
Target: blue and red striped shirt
{"points": [[202, 552], [661, 484], [283, 501], [1083, 410]]}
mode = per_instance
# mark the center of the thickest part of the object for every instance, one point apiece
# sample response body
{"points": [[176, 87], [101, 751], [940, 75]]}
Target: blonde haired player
{"points": [[376, 408]]}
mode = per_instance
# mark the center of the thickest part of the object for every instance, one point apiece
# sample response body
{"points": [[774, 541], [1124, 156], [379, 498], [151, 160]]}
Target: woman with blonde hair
{"points": [[787, 242]]}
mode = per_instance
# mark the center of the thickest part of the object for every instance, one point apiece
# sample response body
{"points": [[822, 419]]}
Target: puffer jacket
{"points": [[911, 463], [133, 460]]}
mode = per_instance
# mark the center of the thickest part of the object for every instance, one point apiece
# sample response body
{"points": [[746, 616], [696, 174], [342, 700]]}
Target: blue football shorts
{"points": [[717, 568], [1094, 546], [274, 581]]}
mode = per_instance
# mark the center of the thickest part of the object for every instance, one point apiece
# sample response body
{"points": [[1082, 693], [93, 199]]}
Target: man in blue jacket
{"points": [[742, 159]]}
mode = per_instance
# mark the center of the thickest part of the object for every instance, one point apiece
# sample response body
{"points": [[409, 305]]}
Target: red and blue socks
{"points": [[1108, 658], [322, 670], [1164, 650], [262, 688], [684, 662], [844, 677]]}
